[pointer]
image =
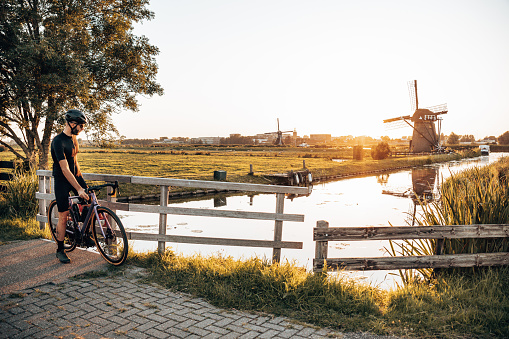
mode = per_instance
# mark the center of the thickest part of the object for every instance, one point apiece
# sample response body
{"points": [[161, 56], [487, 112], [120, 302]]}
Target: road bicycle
{"points": [[85, 217]]}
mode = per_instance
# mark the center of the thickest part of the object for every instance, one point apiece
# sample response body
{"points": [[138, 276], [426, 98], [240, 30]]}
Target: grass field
{"points": [[200, 163]]}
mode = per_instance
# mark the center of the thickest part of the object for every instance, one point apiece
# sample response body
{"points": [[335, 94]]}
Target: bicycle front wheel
{"points": [[69, 241], [110, 236]]}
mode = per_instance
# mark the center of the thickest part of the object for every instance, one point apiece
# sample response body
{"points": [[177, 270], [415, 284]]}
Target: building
{"points": [[320, 138]]}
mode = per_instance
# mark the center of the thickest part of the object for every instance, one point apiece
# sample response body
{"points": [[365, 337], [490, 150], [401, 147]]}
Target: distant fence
{"points": [[10, 166], [322, 234], [44, 196]]}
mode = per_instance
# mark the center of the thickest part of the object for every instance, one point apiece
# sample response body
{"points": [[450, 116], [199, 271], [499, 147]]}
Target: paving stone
{"points": [[156, 333], [199, 331], [217, 329], [120, 307]]}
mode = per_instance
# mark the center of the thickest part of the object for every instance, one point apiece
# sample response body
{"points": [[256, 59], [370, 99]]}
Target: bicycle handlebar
{"points": [[99, 187]]}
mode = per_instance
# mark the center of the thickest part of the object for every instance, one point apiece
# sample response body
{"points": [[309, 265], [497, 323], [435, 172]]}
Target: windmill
{"points": [[425, 137], [279, 135]]}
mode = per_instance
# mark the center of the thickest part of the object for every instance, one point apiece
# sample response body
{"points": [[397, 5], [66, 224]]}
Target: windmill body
{"points": [[279, 135], [425, 138]]}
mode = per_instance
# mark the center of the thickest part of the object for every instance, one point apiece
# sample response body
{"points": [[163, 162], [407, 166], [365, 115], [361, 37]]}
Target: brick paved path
{"points": [[118, 306]]}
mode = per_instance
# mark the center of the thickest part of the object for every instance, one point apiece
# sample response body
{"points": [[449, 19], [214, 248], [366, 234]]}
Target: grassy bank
{"points": [[451, 307]]}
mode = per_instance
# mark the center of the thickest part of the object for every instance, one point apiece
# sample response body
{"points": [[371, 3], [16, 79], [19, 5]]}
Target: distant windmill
{"points": [[279, 135], [425, 137]]}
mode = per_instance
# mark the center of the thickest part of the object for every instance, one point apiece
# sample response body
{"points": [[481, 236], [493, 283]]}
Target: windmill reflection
{"points": [[423, 189]]}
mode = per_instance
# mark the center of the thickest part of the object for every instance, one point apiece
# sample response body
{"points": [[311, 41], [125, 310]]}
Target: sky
{"points": [[323, 66]]}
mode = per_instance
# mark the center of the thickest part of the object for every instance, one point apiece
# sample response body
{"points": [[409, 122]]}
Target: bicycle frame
{"points": [[91, 211]]}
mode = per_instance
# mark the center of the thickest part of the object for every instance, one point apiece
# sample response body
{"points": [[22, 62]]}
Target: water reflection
{"points": [[423, 190], [367, 201]]}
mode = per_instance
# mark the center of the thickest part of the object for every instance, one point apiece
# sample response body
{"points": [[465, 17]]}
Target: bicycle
{"points": [[108, 232]]}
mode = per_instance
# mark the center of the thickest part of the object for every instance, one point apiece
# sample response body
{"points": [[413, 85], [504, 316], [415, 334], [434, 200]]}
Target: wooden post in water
{"points": [[163, 218], [322, 247], [278, 227]]}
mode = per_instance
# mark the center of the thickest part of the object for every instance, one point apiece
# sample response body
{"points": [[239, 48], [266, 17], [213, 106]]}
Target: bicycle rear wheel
{"points": [[110, 236], [69, 241]]}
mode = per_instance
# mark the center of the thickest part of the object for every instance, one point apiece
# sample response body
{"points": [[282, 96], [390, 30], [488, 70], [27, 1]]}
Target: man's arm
{"points": [[72, 180]]}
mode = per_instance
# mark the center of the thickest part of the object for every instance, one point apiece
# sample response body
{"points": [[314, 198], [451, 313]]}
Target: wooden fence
{"points": [[10, 166], [45, 196], [322, 234]]}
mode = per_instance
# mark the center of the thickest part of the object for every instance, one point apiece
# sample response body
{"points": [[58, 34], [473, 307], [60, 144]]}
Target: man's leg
{"points": [[61, 226]]}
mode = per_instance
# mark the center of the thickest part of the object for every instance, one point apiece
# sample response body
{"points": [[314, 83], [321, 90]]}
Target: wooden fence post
{"points": [[322, 247], [278, 227], [163, 218], [111, 198], [42, 202]]}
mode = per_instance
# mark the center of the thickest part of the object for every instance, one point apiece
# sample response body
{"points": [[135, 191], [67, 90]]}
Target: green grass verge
{"points": [[452, 307], [21, 229]]}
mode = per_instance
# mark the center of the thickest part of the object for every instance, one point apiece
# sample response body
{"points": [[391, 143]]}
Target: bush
{"points": [[381, 151], [20, 198]]}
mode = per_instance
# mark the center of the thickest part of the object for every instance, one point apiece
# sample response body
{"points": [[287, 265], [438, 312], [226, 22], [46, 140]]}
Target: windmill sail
{"points": [[412, 91], [425, 137]]}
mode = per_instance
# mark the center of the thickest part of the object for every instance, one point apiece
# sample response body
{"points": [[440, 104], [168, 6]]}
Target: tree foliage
{"points": [[503, 139], [453, 139], [467, 138], [61, 54], [381, 151]]}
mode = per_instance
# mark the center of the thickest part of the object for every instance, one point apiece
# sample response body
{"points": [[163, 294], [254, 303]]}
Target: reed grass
{"points": [[476, 196]]}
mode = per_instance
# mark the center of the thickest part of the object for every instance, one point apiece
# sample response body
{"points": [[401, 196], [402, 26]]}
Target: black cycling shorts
{"points": [[62, 189]]}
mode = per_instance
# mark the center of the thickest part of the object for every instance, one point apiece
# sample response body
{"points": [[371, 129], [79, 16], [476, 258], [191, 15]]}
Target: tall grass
{"points": [[476, 196], [19, 198]]}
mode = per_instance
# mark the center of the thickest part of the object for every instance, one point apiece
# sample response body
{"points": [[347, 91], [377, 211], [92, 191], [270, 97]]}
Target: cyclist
{"points": [[66, 172]]}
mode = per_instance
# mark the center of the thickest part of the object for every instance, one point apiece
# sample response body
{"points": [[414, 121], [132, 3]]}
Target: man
{"points": [[66, 172]]}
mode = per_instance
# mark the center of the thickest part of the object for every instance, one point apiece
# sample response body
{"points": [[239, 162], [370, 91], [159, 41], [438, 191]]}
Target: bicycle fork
{"points": [[109, 236]]}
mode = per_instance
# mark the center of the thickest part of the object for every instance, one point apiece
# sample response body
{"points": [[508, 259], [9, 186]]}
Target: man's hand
{"points": [[83, 194]]}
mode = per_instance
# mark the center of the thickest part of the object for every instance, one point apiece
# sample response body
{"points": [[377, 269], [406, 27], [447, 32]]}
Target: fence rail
{"points": [[10, 166], [44, 195], [322, 234]]}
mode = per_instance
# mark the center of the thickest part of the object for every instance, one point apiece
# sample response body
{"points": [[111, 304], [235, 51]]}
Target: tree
{"points": [[381, 151], [62, 54], [453, 139], [467, 138], [503, 139]]}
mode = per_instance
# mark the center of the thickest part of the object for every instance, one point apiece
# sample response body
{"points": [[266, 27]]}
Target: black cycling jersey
{"points": [[62, 148]]}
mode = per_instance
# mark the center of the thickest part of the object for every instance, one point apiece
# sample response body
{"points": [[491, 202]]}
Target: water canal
{"points": [[365, 201]]}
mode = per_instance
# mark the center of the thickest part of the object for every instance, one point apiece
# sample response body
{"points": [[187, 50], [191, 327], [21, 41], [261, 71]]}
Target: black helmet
{"points": [[74, 115]]}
